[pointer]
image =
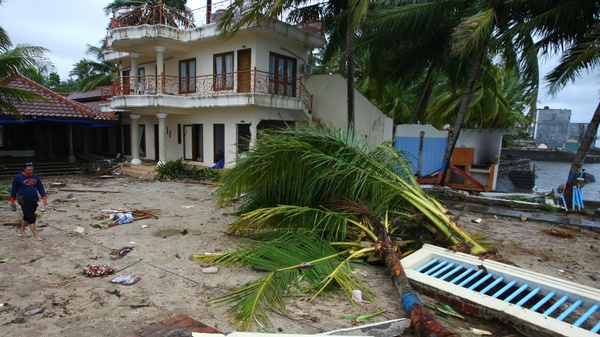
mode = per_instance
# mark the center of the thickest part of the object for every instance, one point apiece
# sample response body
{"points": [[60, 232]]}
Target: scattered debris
{"points": [[39, 257], [86, 190], [389, 328], [16, 223], [210, 270], [116, 254], [33, 310], [126, 279], [357, 296], [476, 220], [559, 232], [121, 217], [480, 332], [357, 319], [97, 270], [446, 309], [8, 259]]}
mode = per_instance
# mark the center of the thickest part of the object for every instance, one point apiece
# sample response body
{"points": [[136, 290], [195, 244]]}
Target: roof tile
{"points": [[58, 105]]}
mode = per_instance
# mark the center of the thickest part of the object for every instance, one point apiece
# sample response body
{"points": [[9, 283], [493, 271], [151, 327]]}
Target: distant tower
{"points": [[551, 125]]}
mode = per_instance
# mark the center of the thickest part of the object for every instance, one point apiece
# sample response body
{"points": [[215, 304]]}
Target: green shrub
{"points": [[178, 169], [170, 170]]}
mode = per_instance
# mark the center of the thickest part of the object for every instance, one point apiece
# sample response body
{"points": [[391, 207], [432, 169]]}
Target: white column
{"points": [[135, 139], [160, 70], [134, 72], [162, 135]]}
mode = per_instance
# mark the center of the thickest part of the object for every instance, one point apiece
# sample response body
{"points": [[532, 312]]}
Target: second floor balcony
{"points": [[290, 90]]}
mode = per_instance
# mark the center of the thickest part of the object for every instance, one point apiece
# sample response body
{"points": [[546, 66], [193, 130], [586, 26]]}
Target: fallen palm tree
{"points": [[314, 201]]}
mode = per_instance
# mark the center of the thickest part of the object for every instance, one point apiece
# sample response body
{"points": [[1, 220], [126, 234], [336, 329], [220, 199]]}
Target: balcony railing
{"points": [[131, 16], [249, 81]]}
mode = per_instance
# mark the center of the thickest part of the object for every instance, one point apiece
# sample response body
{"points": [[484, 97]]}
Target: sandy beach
{"points": [[44, 292]]}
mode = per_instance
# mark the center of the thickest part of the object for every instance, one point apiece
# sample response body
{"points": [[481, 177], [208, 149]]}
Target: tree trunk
{"points": [[586, 142], [425, 89], [460, 117], [350, 74], [423, 320]]}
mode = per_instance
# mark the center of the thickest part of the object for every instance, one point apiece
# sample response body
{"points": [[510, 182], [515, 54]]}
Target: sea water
{"points": [[549, 175]]}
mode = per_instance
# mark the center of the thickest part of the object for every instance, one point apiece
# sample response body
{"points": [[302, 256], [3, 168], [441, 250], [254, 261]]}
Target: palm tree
{"points": [[342, 20], [12, 60], [173, 13], [499, 101], [570, 29], [93, 73], [321, 198], [464, 34]]}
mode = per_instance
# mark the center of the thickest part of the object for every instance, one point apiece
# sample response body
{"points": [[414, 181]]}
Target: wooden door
{"points": [[244, 65]]}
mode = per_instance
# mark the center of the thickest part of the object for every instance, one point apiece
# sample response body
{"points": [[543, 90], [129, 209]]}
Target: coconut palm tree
{"points": [[173, 13], [464, 35], [342, 19], [570, 29], [12, 60], [319, 198], [499, 101], [93, 73]]}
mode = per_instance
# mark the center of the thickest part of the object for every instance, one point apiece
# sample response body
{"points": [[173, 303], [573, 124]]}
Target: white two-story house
{"points": [[185, 91]]}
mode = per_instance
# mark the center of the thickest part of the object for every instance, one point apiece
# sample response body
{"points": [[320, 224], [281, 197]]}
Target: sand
{"points": [[44, 292]]}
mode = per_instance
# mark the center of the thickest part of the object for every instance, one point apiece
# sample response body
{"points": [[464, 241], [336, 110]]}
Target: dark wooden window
{"points": [[187, 76], [219, 141], [243, 138], [282, 75], [223, 71], [198, 148]]}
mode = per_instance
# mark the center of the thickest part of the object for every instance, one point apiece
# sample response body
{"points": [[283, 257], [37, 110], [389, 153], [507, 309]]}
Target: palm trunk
{"points": [[423, 320], [350, 74], [425, 90], [588, 138], [460, 117]]}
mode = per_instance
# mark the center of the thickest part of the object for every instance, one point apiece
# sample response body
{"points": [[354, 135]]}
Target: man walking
{"points": [[25, 188]]}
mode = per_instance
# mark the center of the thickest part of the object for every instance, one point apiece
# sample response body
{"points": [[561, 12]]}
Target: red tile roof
{"points": [[58, 107]]}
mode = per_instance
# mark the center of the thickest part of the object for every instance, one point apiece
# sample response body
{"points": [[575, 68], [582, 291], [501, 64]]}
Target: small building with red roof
{"points": [[57, 128]]}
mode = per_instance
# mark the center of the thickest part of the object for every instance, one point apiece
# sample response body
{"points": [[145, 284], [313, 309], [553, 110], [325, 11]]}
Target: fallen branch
{"points": [[16, 223], [84, 191]]}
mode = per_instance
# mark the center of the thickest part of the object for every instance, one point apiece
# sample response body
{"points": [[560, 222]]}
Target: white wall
{"points": [[329, 105]]}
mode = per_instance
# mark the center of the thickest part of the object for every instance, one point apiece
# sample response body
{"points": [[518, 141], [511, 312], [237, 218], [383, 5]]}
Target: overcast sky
{"points": [[66, 27]]}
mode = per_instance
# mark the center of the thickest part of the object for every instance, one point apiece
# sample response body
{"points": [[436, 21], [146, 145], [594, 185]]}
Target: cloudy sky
{"points": [[66, 27]]}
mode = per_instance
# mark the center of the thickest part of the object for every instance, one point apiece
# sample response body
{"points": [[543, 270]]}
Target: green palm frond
{"points": [[329, 224], [298, 262], [10, 96], [337, 167]]}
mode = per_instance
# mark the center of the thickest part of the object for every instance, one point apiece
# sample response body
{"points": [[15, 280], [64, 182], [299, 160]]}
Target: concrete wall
{"points": [[330, 106]]}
